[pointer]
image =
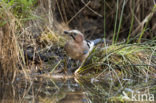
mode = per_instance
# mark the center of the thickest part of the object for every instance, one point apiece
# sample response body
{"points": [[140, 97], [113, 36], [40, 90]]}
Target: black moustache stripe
{"points": [[88, 43], [72, 37]]}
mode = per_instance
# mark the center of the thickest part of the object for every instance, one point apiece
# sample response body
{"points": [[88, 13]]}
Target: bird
{"points": [[78, 47]]}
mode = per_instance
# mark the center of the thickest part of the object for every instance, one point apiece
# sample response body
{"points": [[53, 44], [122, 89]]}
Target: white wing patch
{"points": [[91, 46]]}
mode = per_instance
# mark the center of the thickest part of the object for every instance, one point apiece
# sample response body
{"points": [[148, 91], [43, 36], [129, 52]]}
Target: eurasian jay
{"points": [[78, 48]]}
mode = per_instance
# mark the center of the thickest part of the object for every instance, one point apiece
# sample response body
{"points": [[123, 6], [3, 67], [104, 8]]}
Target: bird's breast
{"points": [[75, 50]]}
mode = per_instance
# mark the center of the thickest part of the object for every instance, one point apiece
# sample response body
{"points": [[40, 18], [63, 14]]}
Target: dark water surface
{"points": [[77, 90]]}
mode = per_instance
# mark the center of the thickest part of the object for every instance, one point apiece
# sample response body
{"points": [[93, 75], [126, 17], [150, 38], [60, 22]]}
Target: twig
{"points": [[91, 9], [77, 13], [147, 18]]}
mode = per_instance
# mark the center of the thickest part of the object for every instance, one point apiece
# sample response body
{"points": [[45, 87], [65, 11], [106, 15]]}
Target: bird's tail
{"points": [[97, 41], [100, 40]]}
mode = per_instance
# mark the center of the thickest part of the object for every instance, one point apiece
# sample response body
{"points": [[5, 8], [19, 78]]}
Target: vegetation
{"points": [[129, 58], [32, 41]]}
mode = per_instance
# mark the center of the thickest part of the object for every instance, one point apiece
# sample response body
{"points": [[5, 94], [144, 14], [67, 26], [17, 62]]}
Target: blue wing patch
{"points": [[85, 51]]}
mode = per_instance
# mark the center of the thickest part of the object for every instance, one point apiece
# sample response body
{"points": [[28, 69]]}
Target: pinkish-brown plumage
{"points": [[77, 47]]}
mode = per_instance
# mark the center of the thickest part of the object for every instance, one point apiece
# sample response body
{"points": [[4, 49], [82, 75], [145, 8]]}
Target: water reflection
{"points": [[72, 90], [43, 91]]}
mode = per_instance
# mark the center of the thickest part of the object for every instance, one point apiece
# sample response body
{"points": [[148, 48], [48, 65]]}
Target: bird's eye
{"points": [[74, 34]]}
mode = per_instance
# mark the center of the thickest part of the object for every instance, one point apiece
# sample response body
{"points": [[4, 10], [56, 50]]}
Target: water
{"points": [[42, 89]]}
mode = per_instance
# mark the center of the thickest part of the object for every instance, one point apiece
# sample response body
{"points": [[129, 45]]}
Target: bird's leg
{"points": [[75, 65], [78, 63]]}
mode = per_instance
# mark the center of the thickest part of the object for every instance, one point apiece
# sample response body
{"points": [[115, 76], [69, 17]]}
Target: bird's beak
{"points": [[66, 32], [70, 34]]}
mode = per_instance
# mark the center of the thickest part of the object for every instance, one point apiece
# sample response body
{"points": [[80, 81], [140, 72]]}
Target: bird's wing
{"points": [[85, 51], [90, 44]]}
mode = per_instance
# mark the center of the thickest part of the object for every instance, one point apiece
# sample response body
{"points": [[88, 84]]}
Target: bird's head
{"points": [[76, 35]]}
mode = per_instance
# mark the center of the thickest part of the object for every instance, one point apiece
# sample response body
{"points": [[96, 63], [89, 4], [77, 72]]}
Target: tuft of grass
{"points": [[9, 52], [126, 59]]}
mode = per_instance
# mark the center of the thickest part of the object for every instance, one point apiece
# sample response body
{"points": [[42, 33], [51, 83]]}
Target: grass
{"points": [[119, 58], [20, 8], [129, 59], [132, 22], [8, 45], [109, 70]]}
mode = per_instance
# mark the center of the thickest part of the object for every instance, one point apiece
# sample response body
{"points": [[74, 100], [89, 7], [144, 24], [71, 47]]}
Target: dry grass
{"points": [[97, 18], [9, 52], [41, 33], [48, 19]]}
